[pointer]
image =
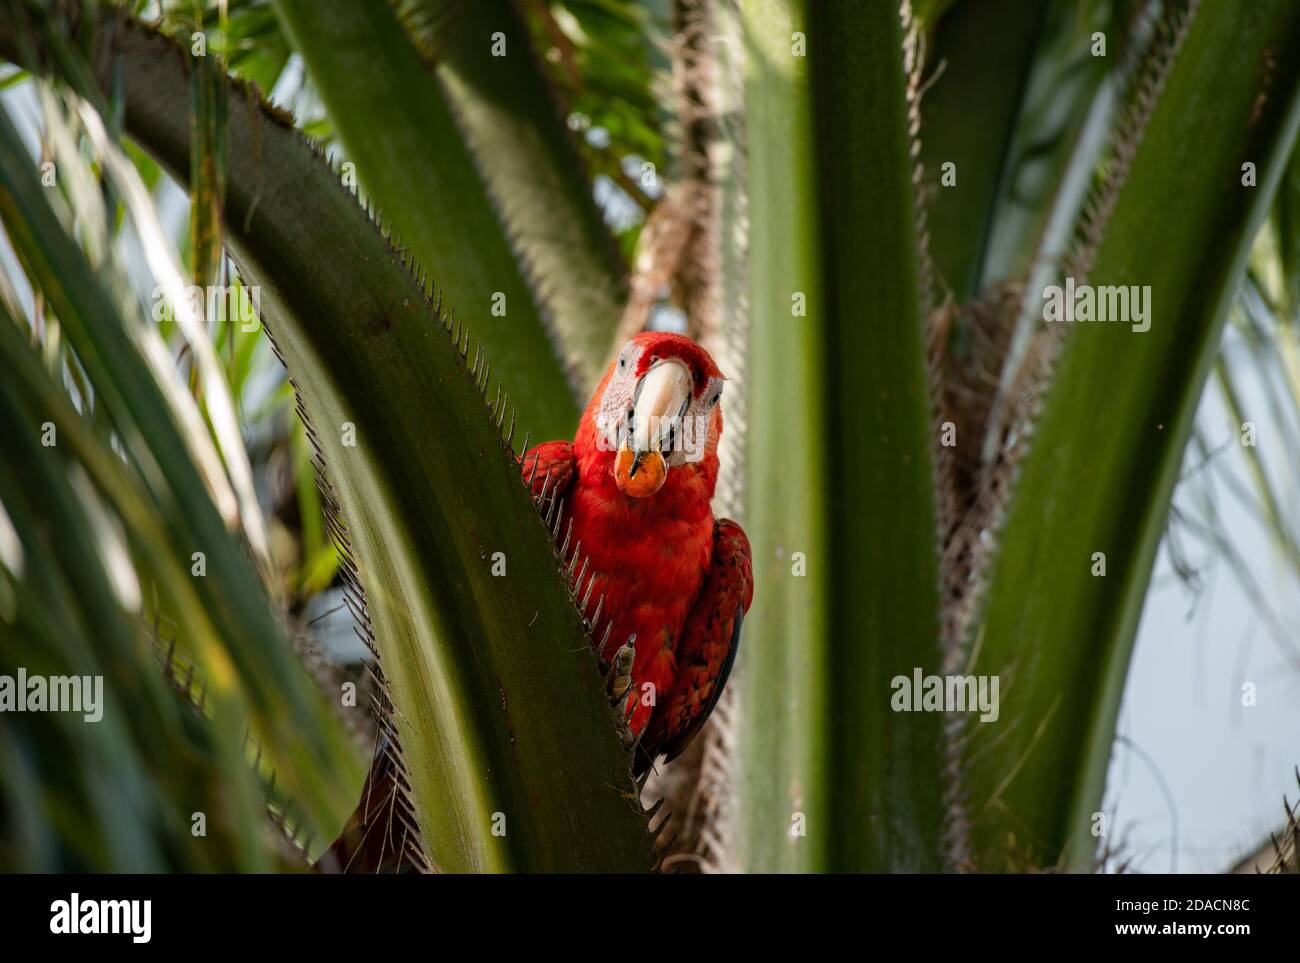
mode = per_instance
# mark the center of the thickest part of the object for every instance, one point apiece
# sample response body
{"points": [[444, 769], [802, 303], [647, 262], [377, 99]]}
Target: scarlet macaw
{"points": [[637, 482]]}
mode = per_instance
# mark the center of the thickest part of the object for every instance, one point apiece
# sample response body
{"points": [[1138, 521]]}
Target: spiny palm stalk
{"points": [[849, 599], [918, 465]]}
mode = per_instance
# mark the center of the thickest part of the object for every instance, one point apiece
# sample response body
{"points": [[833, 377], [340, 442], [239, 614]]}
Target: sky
{"points": [[1196, 778]]}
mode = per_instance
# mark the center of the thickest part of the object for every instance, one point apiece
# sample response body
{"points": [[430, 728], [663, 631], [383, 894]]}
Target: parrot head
{"points": [[656, 412]]}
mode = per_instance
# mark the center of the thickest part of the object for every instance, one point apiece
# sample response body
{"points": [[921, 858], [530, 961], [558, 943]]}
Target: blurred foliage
{"points": [[124, 475]]}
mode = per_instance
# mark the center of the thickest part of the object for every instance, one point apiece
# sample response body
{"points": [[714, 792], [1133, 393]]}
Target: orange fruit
{"points": [[650, 475]]}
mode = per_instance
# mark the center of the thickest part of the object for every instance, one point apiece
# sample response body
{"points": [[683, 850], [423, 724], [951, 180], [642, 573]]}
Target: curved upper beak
{"points": [[661, 400]]}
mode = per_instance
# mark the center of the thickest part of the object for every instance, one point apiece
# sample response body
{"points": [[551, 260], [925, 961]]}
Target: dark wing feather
{"points": [[707, 648], [674, 747]]}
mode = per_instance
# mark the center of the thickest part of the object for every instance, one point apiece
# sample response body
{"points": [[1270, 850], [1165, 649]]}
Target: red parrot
{"points": [[637, 482]]}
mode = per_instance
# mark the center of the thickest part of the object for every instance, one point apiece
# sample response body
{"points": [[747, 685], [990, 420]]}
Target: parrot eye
{"points": [[714, 400]]}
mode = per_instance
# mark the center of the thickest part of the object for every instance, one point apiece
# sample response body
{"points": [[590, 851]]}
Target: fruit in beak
{"points": [[639, 475]]}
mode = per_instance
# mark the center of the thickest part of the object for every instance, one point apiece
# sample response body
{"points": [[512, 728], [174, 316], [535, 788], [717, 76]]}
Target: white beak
{"points": [[661, 399]]}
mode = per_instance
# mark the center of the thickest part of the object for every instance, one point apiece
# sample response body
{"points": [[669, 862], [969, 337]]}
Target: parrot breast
{"points": [[650, 557]]}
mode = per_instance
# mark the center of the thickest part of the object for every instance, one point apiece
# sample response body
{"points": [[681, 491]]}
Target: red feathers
{"points": [[669, 574]]}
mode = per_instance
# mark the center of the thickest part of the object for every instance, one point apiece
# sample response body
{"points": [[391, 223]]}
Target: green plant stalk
{"points": [[412, 160], [207, 170], [1270, 506], [500, 708], [1058, 637], [526, 155], [982, 54], [1286, 216], [868, 781], [1054, 145], [888, 799], [782, 759], [1066, 124]]}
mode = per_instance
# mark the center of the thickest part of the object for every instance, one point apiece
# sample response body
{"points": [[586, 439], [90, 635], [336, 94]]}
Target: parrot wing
{"points": [[378, 836], [550, 466], [708, 645]]}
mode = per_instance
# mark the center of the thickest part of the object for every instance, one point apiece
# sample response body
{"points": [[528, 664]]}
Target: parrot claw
{"points": [[627, 736], [620, 672], [620, 683]]}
